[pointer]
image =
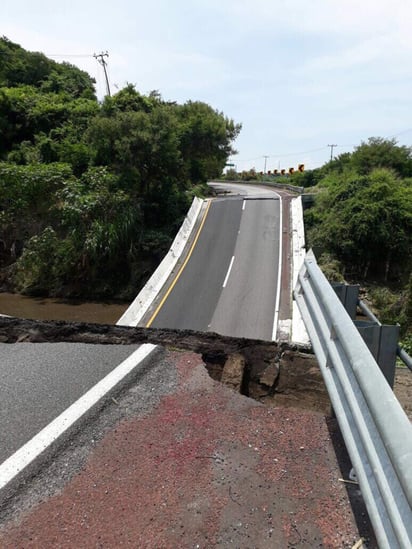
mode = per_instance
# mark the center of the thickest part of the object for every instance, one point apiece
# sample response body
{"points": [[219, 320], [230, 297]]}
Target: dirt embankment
{"points": [[273, 373], [403, 389], [276, 374]]}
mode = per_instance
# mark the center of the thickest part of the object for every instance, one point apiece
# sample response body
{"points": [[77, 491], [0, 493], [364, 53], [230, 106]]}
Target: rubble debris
{"points": [[233, 371]]}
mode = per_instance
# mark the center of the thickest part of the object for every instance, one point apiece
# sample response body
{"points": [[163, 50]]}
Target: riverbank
{"points": [[76, 310]]}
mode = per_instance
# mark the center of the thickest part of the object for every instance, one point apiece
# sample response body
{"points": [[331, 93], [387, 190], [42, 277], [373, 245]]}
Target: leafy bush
{"points": [[35, 269], [365, 221], [331, 268], [309, 178]]}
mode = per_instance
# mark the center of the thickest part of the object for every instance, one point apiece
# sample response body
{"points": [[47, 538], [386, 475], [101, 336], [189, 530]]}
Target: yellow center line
{"points": [[154, 315]]}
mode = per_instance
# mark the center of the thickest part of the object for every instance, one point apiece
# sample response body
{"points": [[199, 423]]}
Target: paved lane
{"points": [[38, 381], [229, 283], [244, 190], [247, 303], [195, 295]]}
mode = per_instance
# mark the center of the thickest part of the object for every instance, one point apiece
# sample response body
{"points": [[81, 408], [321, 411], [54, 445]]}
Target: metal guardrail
{"points": [[377, 432], [293, 188], [381, 339], [406, 359], [402, 354], [349, 296]]}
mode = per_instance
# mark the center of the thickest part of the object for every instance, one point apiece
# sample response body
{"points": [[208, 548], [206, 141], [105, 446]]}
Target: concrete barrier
{"points": [[299, 333], [133, 315]]}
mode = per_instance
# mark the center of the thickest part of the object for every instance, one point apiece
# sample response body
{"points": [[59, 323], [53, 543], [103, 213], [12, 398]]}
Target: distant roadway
{"points": [[230, 282]]}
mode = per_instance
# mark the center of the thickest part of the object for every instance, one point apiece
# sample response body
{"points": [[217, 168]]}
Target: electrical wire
{"points": [[281, 155], [68, 55], [345, 146], [400, 133], [296, 153]]}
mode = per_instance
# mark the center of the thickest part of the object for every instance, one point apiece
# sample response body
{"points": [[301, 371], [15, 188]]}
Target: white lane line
{"points": [[244, 205], [34, 447], [275, 320], [228, 272]]}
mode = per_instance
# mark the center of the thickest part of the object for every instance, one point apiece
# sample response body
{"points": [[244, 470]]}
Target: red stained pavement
{"points": [[204, 467]]}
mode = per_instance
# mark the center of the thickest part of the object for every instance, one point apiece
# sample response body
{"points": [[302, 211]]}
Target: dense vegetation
{"points": [[92, 193], [363, 210], [361, 223]]}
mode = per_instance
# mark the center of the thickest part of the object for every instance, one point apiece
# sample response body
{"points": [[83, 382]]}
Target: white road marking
{"points": [[244, 205], [275, 320], [34, 447], [228, 272]]}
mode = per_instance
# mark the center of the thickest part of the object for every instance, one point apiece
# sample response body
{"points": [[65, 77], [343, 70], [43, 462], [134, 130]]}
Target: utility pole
{"points": [[331, 150], [265, 157], [101, 59]]}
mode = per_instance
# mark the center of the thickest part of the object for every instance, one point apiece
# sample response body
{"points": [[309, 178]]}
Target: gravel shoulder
{"points": [[403, 389]]}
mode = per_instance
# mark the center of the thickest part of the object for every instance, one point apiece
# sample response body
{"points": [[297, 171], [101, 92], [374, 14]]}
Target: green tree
{"points": [[377, 152], [27, 198], [142, 147], [92, 246], [103, 225], [29, 112], [206, 137], [129, 99], [20, 67], [93, 193], [366, 221]]}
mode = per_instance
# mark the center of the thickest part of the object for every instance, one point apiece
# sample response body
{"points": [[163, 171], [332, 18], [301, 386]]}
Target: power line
{"points": [[281, 155], [68, 55], [249, 159], [101, 59], [295, 153], [400, 133], [332, 146], [331, 150]]}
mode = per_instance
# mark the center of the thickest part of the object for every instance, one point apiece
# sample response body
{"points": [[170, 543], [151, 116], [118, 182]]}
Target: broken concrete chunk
{"points": [[269, 375], [233, 370]]}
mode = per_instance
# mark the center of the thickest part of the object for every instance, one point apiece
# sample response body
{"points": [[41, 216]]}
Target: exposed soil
{"points": [[274, 374], [403, 389]]}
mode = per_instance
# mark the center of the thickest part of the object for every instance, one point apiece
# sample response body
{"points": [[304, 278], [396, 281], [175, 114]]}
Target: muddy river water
{"points": [[39, 308]]}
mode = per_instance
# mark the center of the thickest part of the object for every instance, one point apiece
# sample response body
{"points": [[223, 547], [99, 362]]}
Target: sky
{"points": [[299, 75]]}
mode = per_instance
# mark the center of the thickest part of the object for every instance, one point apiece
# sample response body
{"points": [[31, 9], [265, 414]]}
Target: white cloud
{"points": [[298, 73], [349, 17]]}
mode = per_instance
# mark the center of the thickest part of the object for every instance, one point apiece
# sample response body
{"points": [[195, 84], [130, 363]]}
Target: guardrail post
{"points": [[382, 341], [349, 295]]}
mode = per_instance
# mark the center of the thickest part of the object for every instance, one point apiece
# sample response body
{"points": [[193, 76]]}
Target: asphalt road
{"points": [[246, 304], [38, 381], [237, 248], [194, 298], [229, 283]]}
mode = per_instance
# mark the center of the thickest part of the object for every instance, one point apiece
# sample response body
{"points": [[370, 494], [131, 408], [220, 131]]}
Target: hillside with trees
{"points": [[91, 194], [360, 225]]}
